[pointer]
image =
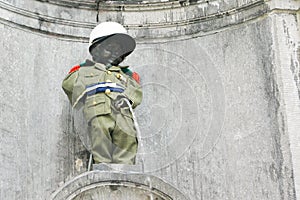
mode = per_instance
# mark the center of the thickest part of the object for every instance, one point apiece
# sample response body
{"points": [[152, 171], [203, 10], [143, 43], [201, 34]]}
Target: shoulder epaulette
{"points": [[127, 71], [136, 77], [132, 74], [76, 67]]}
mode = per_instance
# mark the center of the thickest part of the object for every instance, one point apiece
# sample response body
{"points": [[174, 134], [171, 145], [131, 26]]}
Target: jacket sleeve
{"points": [[68, 85], [134, 92]]}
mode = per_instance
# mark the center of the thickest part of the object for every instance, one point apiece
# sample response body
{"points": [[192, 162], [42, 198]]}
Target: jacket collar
{"points": [[102, 67], [114, 69]]}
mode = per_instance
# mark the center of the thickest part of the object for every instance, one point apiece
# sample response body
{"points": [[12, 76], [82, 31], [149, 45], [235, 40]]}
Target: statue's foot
{"points": [[118, 167]]}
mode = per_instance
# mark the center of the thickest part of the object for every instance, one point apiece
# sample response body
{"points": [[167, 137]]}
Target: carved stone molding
{"points": [[145, 20], [116, 185]]}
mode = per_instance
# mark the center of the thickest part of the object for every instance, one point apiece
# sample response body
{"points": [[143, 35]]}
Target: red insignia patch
{"points": [[75, 68], [136, 77]]}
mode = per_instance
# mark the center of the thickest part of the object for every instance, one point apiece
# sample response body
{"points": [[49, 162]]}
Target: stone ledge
{"points": [[118, 168], [103, 184]]}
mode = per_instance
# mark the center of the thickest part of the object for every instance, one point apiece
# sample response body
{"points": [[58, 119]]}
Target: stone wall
{"points": [[220, 115]]}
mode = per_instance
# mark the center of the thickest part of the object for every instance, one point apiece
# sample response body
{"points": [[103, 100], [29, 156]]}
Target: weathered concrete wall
{"points": [[220, 114], [285, 28]]}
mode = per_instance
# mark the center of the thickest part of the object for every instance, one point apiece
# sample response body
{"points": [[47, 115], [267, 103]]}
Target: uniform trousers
{"points": [[113, 137]]}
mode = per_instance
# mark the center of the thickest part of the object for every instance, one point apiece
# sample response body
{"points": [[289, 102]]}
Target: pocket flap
{"points": [[96, 105], [94, 100]]}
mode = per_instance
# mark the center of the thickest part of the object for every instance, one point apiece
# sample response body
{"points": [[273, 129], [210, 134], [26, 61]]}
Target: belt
{"points": [[102, 87]]}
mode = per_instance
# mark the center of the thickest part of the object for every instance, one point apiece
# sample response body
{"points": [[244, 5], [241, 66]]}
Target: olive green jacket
{"points": [[75, 83]]}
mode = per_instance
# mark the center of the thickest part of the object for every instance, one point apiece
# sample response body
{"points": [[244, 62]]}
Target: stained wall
{"points": [[220, 115]]}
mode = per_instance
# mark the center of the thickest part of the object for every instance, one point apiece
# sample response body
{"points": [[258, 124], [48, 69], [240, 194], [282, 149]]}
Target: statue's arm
{"points": [[69, 82], [133, 90]]}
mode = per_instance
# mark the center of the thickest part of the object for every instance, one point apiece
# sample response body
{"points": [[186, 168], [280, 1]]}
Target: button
{"points": [[107, 91], [119, 76], [109, 81], [94, 102], [92, 74], [109, 72]]}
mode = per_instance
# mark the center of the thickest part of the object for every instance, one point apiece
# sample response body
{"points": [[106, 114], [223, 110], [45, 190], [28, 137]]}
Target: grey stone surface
{"points": [[220, 116], [286, 67], [116, 185], [118, 168]]}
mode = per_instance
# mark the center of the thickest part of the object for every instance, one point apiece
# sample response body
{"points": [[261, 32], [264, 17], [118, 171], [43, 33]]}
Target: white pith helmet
{"points": [[112, 30]]}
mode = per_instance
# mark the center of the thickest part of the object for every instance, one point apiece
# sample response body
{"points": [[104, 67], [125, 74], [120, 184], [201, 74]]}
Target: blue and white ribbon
{"points": [[101, 87]]}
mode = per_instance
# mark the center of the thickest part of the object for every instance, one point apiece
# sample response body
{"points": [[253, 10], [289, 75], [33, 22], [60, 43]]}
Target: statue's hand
{"points": [[120, 102]]}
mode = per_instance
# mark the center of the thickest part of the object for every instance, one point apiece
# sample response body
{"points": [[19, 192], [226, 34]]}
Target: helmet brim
{"points": [[127, 42]]}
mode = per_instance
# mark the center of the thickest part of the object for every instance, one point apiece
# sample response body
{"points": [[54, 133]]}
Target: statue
{"points": [[107, 93]]}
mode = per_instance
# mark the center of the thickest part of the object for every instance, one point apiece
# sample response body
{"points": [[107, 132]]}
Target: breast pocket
{"points": [[92, 78], [96, 105]]}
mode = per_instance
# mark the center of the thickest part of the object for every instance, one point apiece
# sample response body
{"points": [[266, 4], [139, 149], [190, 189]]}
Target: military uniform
{"points": [[97, 89]]}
